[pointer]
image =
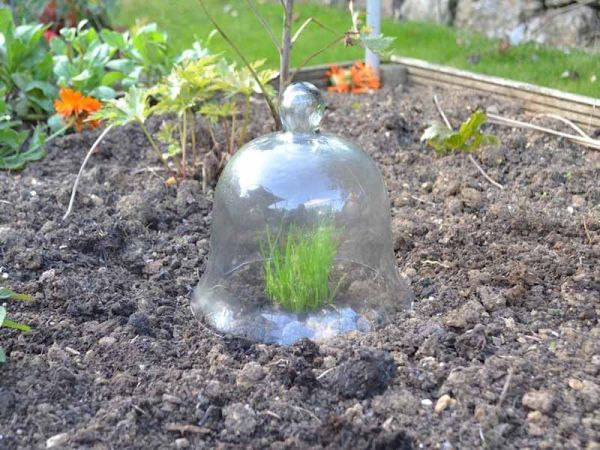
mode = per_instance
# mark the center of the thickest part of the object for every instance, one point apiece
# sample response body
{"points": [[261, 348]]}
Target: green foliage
{"points": [[25, 69], [467, 139], [297, 268], [7, 294], [95, 63], [132, 107], [64, 11], [12, 157], [207, 87]]}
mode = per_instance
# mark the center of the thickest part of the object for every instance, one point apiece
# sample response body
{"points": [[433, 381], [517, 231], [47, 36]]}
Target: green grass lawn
{"points": [[184, 21]]}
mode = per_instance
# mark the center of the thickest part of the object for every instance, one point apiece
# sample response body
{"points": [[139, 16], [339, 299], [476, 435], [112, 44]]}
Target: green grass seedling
{"points": [[297, 267]]}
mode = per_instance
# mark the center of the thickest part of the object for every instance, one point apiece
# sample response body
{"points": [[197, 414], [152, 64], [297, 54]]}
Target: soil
{"points": [[500, 350]]}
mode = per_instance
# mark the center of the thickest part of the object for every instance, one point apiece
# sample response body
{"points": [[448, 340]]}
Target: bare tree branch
{"points": [[235, 48]]}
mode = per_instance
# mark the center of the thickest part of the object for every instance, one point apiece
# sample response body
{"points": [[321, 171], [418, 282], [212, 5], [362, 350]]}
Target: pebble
{"points": [[48, 275], [57, 441], [426, 402], [491, 299], [535, 416], [443, 403], [182, 443], [106, 341], [251, 374], [329, 362], [469, 313], [538, 400], [240, 418], [575, 384], [471, 197]]}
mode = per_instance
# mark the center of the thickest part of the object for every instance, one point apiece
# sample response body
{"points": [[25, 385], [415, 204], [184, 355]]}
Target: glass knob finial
{"points": [[302, 108]]}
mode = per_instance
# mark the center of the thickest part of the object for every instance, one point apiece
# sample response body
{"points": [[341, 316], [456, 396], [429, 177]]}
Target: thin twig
{"points": [[271, 413], [264, 24], [306, 24], [87, 157], [426, 202], [324, 374], [314, 55], [286, 46], [240, 54], [441, 112], [485, 175], [565, 121], [586, 142], [511, 371], [587, 232], [471, 158]]}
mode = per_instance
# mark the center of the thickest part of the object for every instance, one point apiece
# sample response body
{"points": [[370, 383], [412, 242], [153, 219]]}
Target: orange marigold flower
{"points": [[75, 108], [364, 78], [339, 79]]}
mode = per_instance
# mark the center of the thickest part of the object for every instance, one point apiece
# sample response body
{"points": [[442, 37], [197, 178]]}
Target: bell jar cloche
{"points": [[301, 242]]}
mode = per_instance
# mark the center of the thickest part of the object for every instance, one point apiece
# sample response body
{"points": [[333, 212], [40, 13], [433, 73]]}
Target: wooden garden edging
{"points": [[584, 111]]}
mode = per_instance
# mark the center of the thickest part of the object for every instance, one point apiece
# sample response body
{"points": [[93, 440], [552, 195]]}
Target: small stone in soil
{"points": [[240, 418]]}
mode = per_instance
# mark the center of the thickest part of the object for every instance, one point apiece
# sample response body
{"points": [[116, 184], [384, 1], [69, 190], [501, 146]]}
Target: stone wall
{"points": [[561, 23]]}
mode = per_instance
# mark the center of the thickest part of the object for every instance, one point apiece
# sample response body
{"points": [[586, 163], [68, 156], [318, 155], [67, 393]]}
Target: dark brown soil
{"points": [[501, 349]]}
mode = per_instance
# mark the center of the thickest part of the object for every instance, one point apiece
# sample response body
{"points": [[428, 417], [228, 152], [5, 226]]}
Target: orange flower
{"points": [[358, 79], [339, 79], [364, 78], [75, 108]]}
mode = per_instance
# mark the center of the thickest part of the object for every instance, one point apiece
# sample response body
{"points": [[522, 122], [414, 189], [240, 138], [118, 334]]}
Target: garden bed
{"points": [[502, 347]]}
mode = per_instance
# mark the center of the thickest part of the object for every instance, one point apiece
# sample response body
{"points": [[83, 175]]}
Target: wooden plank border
{"points": [[584, 111], [578, 108]]}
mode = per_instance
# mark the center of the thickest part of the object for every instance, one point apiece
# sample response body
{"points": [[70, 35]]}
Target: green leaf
{"points": [[82, 76], [111, 78], [2, 356], [132, 107], [7, 294], [2, 315], [104, 93], [114, 39], [378, 44], [467, 139], [16, 326], [120, 65]]}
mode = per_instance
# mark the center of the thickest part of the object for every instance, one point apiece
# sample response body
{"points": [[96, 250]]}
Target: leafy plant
{"points": [[61, 13], [7, 294], [358, 34], [25, 70], [468, 138], [297, 268]]}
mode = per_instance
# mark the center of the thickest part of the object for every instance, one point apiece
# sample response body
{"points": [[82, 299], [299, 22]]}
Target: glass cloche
{"points": [[301, 242]]}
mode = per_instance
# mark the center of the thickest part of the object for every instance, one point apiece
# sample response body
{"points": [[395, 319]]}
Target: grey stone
{"points": [[496, 18], [393, 75], [251, 374], [539, 401], [439, 11], [240, 418], [575, 27]]}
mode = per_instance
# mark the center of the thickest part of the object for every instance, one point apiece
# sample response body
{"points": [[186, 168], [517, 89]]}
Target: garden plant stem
{"points": [[87, 157], [473, 161]]}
